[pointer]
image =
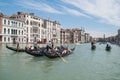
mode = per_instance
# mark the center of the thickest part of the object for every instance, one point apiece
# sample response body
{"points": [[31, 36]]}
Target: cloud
{"points": [[31, 4], [44, 6], [107, 11], [74, 12]]}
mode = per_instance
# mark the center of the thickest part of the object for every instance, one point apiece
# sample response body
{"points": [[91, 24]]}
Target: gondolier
{"points": [[18, 44], [49, 45], [35, 44]]}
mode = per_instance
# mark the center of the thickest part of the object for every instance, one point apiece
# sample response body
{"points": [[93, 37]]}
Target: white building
{"points": [[11, 30], [52, 30], [34, 26], [82, 33], [38, 28]]}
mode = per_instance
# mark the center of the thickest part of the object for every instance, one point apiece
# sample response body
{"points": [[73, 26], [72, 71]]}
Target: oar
{"points": [[62, 58]]}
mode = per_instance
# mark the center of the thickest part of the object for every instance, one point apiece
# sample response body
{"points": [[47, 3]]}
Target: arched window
{"points": [[19, 24], [4, 39], [22, 32], [8, 22], [14, 31], [19, 32], [4, 30], [8, 31], [4, 21], [11, 31], [22, 39], [8, 39], [22, 24]]}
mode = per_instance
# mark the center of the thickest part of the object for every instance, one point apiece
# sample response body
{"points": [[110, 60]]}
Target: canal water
{"points": [[83, 64]]}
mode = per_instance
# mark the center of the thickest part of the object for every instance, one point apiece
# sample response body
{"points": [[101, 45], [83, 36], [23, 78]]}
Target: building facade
{"points": [[39, 29], [75, 35], [52, 30], [34, 26], [11, 30]]}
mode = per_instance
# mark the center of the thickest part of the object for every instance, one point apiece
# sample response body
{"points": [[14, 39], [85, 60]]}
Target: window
{"points": [[4, 39], [12, 31], [8, 31], [19, 32], [12, 22], [8, 22], [19, 24], [4, 30], [4, 21], [16, 23], [8, 39], [22, 24], [22, 39], [22, 32], [15, 31]]}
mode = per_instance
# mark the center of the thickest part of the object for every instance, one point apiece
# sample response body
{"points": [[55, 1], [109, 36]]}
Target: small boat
{"points": [[93, 47], [35, 53], [15, 49], [108, 48], [54, 54]]}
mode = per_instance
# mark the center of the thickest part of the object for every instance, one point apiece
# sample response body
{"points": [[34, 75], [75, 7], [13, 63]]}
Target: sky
{"points": [[96, 17]]}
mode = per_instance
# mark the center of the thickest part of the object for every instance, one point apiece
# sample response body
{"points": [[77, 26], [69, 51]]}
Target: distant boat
{"points": [[108, 48], [93, 47]]}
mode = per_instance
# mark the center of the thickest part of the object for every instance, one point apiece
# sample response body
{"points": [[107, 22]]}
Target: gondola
{"points": [[108, 48], [54, 54], [15, 49], [35, 53], [93, 47]]}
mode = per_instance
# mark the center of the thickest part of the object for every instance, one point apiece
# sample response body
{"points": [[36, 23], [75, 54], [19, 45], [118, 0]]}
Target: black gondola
{"points": [[55, 54], [36, 53], [108, 48], [15, 49], [93, 47]]}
